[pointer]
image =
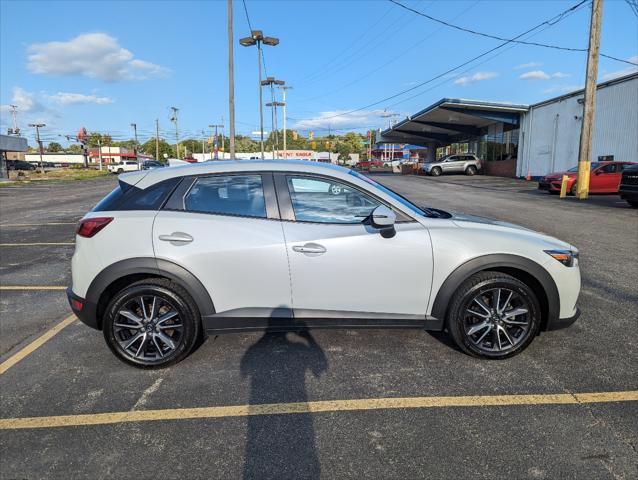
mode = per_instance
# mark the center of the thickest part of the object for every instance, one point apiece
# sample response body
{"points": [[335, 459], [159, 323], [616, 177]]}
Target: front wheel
{"points": [[493, 315], [470, 170], [152, 323], [435, 172]]}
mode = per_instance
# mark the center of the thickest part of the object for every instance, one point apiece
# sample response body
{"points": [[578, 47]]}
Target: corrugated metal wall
{"points": [[550, 132]]}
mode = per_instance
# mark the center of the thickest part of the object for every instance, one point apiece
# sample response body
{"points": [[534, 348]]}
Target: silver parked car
{"points": [[250, 245], [468, 163]]}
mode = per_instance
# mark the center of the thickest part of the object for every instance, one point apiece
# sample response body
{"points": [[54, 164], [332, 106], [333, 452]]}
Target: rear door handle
{"points": [[177, 238], [310, 249]]}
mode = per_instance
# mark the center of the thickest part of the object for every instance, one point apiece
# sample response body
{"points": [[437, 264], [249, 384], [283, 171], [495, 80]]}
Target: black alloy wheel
{"points": [[494, 315], [151, 323]]}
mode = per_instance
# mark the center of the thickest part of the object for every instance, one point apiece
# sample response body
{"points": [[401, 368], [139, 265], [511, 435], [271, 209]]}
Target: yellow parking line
{"points": [[315, 407], [37, 343], [36, 224], [44, 244], [32, 287]]}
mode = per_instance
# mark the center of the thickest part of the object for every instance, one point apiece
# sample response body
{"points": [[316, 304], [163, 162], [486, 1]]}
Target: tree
{"points": [[94, 138], [54, 147], [164, 148], [343, 150], [74, 148], [245, 144]]}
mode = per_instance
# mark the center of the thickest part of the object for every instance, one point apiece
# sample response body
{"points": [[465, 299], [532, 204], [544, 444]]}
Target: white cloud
{"points": [[325, 120], [25, 101], [623, 72], [476, 77], [541, 75], [67, 98], [528, 65], [94, 55]]}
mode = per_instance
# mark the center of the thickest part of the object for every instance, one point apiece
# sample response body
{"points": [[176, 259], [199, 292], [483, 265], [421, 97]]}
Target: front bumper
{"points": [[629, 192], [88, 311], [560, 323]]}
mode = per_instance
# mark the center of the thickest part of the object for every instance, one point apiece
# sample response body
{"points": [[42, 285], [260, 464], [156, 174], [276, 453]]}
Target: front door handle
{"points": [[177, 238], [310, 249]]}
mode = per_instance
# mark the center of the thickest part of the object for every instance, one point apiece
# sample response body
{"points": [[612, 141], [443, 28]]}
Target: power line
{"points": [[247, 16], [555, 19], [496, 37]]}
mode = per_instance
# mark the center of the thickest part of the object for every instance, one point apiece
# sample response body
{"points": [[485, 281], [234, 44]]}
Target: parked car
{"points": [[148, 164], [124, 166], [237, 246], [629, 185], [468, 163], [604, 177], [19, 165]]}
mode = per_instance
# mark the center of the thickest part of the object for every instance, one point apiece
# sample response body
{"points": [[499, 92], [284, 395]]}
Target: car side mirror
{"points": [[384, 219]]}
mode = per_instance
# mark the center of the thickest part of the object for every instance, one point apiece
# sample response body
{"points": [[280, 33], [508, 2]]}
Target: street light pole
{"points": [[256, 38], [231, 81], [38, 126], [134, 125]]}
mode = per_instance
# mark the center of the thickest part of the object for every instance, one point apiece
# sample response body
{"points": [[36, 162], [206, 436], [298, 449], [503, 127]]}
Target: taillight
{"points": [[88, 227]]}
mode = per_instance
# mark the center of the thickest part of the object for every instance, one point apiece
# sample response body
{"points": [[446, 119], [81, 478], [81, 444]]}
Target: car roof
{"points": [[146, 178]]}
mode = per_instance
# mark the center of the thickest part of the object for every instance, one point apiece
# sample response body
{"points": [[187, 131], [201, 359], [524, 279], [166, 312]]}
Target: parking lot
{"points": [[329, 404]]}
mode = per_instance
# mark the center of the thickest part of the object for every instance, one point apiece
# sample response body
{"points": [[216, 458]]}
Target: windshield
{"points": [[399, 198], [575, 169]]}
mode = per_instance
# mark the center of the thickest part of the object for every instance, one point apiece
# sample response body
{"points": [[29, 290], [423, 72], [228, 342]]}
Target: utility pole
{"points": [[38, 126], [157, 139], [283, 88], [174, 120], [223, 144], [584, 157], [231, 81], [134, 125], [99, 151], [14, 116], [203, 151]]}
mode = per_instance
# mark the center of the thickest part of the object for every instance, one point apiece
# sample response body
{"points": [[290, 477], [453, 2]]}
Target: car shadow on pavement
{"points": [[281, 446]]}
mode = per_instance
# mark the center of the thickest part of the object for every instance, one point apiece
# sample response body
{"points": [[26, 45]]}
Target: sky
{"points": [[103, 65]]}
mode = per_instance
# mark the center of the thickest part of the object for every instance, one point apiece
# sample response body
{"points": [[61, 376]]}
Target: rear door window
{"points": [[241, 195]]}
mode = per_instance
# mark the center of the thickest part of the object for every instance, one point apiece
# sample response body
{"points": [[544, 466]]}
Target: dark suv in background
{"points": [[629, 185]]}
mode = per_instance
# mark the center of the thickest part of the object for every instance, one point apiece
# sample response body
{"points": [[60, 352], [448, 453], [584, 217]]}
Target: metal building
{"points": [[521, 140], [550, 130]]}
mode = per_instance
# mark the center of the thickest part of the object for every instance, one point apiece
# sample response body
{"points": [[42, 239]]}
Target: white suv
{"points": [[254, 245], [124, 166]]}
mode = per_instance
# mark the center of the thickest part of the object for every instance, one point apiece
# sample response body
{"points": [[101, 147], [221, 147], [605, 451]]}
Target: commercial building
{"points": [[521, 140], [8, 145]]}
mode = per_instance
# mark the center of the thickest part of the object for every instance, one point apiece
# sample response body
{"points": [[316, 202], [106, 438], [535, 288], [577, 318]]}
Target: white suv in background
{"points": [[259, 245], [124, 166]]}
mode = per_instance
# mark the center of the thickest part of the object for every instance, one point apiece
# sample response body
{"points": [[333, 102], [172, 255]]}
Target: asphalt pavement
{"points": [[74, 374]]}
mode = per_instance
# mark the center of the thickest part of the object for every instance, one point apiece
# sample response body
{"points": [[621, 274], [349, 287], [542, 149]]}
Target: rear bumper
{"points": [[87, 313], [560, 323]]}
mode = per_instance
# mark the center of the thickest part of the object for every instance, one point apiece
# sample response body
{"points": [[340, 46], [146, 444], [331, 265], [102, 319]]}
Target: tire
{"points": [[157, 344], [119, 170], [633, 203], [574, 190], [335, 189], [470, 170], [513, 333], [436, 171]]}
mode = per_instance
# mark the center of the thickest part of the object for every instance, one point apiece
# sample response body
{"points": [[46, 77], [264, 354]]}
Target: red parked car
{"points": [[604, 178]]}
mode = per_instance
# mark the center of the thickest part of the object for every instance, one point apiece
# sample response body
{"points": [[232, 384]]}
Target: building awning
{"points": [[450, 119]]}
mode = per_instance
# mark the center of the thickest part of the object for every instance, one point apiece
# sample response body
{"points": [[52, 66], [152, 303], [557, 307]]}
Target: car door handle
{"points": [[177, 238], [310, 248]]}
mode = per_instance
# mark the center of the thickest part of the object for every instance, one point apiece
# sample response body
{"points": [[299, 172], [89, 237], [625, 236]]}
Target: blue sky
{"points": [[104, 65]]}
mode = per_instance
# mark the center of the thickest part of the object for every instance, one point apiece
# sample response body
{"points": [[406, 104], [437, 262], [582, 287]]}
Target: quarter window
{"points": [[227, 195], [325, 201]]}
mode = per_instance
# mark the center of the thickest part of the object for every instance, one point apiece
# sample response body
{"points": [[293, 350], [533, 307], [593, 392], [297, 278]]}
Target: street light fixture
{"points": [[272, 81], [257, 38], [37, 127], [273, 106]]}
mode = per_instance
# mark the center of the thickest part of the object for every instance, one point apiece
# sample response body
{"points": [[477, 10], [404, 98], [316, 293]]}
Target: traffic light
{"points": [[311, 135], [313, 145], [295, 136]]}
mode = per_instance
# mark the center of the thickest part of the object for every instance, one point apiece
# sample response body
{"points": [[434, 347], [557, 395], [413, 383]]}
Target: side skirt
{"points": [[285, 319]]}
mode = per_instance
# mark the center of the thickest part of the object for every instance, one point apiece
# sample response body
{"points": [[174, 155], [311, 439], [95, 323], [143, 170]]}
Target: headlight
{"points": [[566, 257]]}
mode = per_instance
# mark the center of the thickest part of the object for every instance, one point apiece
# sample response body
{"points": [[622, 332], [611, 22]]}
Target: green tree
{"points": [[164, 148], [93, 138], [343, 149], [74, 148], [245, 144], [54, 147]]}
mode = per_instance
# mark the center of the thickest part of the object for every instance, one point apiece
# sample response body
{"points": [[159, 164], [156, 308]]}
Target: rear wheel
{"points": [[574, 190], [493, 315], [435, 172], [152, 323], [470, 170]]}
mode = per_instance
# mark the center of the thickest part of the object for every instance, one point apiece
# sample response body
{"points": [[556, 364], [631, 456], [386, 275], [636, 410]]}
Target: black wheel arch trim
{"points": [[496, 262], [152, 266]]}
